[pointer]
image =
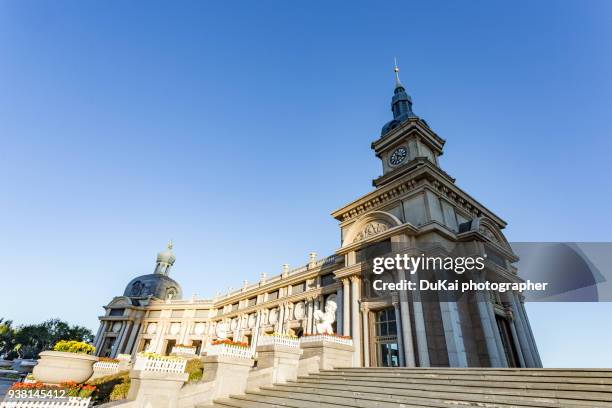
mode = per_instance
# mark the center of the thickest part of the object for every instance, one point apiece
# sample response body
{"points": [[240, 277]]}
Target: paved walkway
{"points": [[4, 386]]}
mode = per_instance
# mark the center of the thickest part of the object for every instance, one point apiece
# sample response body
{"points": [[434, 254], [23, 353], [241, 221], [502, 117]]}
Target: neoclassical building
{"points": [[414, 207]]}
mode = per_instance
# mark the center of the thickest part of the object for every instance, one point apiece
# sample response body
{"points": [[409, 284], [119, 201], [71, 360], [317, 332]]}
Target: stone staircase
{"points": [[435, 387]]}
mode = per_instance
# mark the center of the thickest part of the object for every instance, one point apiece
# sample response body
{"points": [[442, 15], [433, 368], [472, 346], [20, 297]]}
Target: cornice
{"points": [[275, 284], [405, 128], [303, 296], [349, 271], [406, 182]]}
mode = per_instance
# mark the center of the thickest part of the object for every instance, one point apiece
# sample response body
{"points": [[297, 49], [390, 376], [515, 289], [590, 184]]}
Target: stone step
{"points": [[552, 383], [435, 388], [476, 377], [530, 372], [359, 399], [241, 403], [464, 393], [276, 401]]}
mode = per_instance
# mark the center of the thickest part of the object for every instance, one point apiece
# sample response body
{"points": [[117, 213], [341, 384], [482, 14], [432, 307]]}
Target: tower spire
{"points": [[401, 103], [398, 83]]}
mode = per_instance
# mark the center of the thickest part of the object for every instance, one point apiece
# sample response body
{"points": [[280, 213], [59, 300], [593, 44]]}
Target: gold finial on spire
{"points": [[396, 69]]}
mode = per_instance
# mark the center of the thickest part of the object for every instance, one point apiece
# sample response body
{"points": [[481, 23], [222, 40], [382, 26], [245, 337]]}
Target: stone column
{"points": [[98, 337], [488, 328], [316, 306], [530, 337], [498, 340], [119, 339], [419, 323], [310, 311], [339, 311], [130, 345], [399, 324], [365, 314], [355, 297], [515, 339], [520, 329], [281, 318], [407, 347], [452, 328], [346, 307]]}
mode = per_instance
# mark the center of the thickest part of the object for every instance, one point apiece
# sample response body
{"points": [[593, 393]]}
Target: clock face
{"points": [[398, 156]]}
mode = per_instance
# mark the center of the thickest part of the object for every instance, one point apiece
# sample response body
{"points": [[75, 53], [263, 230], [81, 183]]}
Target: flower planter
{"points": [[55, 367]]}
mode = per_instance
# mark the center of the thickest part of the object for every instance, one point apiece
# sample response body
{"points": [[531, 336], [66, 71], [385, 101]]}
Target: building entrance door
{"points": [[387, 349]]}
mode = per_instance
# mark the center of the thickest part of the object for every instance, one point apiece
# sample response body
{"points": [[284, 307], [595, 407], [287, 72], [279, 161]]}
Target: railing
{"points": [[183, 350], [278, 340], [106, 365], [229, 351], [160, 364], [328, 338], [72, 402], [124, 357]]}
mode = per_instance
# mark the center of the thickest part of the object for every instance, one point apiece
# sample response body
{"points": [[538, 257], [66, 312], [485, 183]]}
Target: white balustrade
{"points": [[106, 366], [160, 364], [328, 338], [124, 357], [229, 350], [184, 350], [71, 402], [278, 340]]}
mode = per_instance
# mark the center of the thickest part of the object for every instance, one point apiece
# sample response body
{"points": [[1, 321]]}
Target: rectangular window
{"points": [[252, 301], [328, 279], [177, 313], [299, 288], [155, 313], [116, 312], [373, 250], [234, 307], [273, 295]]}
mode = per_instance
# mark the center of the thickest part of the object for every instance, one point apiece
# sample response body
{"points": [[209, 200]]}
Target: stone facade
{"points": [[414, 205]]}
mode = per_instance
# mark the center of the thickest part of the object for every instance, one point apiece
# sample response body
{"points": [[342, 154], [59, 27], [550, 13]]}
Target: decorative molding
{"points": [[372, 228]]}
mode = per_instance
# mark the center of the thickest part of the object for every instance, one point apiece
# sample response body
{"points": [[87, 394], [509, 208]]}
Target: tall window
{"points": [[385, 322]]}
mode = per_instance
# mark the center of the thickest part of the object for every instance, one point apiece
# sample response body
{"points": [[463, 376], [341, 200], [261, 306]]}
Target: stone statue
{"points": [[325, 319]]}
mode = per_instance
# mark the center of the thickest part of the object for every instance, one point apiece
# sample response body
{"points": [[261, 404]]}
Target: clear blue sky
{"points": [[235, 129]]}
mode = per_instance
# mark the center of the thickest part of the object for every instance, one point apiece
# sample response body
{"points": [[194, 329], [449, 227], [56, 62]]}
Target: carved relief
{"points": [[273, 316], [152, 328], [299, 310], [489, 234], [199, 328], [175, 328], [252, 320], [221, 330], [371, 229]]}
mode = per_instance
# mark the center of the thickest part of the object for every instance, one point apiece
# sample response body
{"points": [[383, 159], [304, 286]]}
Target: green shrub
{"points": [[72, 346], [120, 391], [106, 385], [195, 369]]}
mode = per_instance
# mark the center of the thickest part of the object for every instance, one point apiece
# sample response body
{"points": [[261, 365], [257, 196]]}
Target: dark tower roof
{"points": [[401, 105]]}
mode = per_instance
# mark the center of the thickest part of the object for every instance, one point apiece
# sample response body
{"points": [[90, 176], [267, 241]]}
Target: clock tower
{"points": [[406, 140]]}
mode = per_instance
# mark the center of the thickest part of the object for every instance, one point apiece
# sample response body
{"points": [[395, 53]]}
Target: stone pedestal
{"points": [[229, 374], [283, 359], [152, 389], [327, 354]]}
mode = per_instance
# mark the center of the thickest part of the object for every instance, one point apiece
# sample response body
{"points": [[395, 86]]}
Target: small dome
{"points": [[167, 256], [155, 285]]}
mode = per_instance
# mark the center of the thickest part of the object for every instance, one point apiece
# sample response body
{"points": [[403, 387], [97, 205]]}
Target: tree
{"points": [[7, 337], [29, 340]]}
